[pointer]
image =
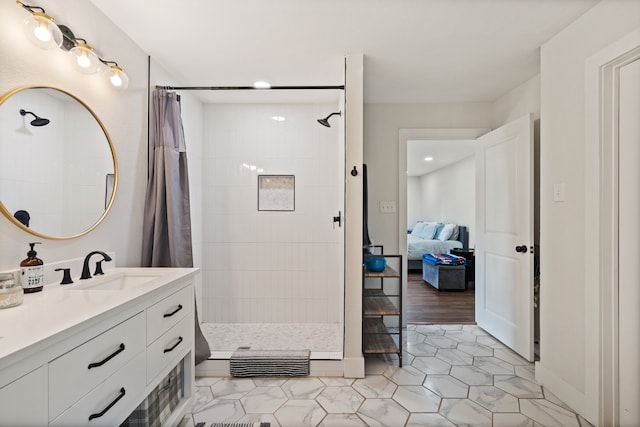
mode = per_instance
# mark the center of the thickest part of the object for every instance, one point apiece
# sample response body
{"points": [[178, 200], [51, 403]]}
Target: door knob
{"points": [[521, 248]]}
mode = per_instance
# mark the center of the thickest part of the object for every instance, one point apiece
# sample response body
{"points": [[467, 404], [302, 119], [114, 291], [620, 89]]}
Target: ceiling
{"points": [[415, 51], [442, 154]]}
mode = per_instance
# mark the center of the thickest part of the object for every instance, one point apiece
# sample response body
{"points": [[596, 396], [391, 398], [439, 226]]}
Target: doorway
{"points": [[440, 188], [415, 288], [518, 136]]}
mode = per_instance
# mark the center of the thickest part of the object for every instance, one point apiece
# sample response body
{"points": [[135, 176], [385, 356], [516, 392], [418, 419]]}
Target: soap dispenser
{"points": [[32, 271]]}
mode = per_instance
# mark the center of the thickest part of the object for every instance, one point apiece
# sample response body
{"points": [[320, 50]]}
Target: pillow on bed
{"points": [[447, 232], [455, 234], [428, 231], [438, 230], [417, 229]]}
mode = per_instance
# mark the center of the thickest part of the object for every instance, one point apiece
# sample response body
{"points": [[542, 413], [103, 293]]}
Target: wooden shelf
{"points": [[375, 325], [377, 292], [377, 337], [376, 303], [387, 272], [380, 341]]}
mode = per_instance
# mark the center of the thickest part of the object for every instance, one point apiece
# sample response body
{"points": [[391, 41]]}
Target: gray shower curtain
{"points": [[167, 217], [166, 228]]}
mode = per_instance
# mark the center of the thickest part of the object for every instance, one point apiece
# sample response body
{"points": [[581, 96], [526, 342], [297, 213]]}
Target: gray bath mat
{"points": [[246, 362]]}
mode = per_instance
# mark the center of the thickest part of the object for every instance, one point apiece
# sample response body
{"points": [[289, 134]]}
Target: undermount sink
{"points": [[117, 282]]}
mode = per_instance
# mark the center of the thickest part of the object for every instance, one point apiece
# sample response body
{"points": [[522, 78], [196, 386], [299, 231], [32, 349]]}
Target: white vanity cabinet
{"points": [[166, 313], [23, 402], [163, 353], [91, 363], [110, 402], [97, 371]]}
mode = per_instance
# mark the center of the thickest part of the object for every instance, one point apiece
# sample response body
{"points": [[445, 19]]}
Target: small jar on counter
{"points": [[11, 294]]}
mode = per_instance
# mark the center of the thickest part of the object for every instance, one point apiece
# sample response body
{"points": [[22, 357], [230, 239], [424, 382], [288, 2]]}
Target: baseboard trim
{"points": [[354, 367]]}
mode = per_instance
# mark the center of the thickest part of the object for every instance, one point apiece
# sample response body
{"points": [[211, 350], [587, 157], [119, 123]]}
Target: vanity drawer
{"points": [[166, 313], [170, 347], [111, 402], [86, 366]]}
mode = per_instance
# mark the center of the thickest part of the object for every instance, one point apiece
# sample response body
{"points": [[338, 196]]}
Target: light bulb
{"points": [[117, 76], [83, 61], [86, 61], [42, 31], [116, 80]]}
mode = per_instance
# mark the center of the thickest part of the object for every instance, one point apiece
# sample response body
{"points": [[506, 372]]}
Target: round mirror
{"points": [[58, 169]]}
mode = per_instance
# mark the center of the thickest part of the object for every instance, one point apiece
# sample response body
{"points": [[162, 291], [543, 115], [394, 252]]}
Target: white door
{"points": [[504, 240], [629, 212]]}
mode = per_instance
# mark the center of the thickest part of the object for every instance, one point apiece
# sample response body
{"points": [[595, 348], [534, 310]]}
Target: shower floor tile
{"points": [[323, 339]]}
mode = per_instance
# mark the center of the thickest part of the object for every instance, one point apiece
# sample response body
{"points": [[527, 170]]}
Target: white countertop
{"points": [[61, 310]]}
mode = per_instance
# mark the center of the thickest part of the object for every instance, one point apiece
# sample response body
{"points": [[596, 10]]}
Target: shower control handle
{"points": [[338, 219]]}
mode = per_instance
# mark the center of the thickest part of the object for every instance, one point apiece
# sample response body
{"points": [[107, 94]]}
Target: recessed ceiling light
{"points": [[428, 159], [278, 118], [261, 85]]}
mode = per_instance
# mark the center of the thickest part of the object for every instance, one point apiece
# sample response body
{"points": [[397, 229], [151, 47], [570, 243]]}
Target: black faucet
{"points": [[86, 273], [66, 276]]}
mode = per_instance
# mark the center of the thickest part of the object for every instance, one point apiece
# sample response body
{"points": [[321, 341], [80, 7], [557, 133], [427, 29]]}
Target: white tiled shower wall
{"points": [[272, 267]]}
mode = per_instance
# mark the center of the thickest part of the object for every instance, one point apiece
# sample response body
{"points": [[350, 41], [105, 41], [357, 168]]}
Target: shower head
{"points": [[37, 121], [325, 121]]}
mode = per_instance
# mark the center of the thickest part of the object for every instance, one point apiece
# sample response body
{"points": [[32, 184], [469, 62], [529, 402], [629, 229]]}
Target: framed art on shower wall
{"points": [[276, 192]]}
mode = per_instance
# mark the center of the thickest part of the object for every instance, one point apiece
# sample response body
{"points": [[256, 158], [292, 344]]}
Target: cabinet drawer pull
{"points": [[104, 411], [167, 350], [111, 356], [174, 311]]}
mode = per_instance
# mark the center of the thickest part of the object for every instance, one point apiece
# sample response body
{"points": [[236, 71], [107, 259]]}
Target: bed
{"points": [[432, 237]]}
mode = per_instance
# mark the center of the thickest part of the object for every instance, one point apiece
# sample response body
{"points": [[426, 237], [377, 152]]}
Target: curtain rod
{"points": [[341, 87]]}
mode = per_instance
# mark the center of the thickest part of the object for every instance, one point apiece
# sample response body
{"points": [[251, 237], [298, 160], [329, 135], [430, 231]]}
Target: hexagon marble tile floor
{"points": [[452, 375]]}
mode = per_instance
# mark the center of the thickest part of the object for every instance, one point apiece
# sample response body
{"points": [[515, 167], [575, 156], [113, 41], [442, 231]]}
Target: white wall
{"points": [[123, 113], [568, 329], [278, 266], [448, 195], [517, 102], [382, 123]]}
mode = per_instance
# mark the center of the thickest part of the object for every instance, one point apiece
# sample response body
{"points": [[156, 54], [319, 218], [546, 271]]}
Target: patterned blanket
{"points": [[443, 259]]}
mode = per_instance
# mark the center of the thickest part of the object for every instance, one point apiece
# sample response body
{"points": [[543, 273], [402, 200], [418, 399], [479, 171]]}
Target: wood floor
{"points": [[425, 304]]}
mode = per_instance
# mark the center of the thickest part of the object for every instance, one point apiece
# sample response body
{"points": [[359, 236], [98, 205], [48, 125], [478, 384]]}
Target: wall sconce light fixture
{"points": [[40, 28], [44, 33]]}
